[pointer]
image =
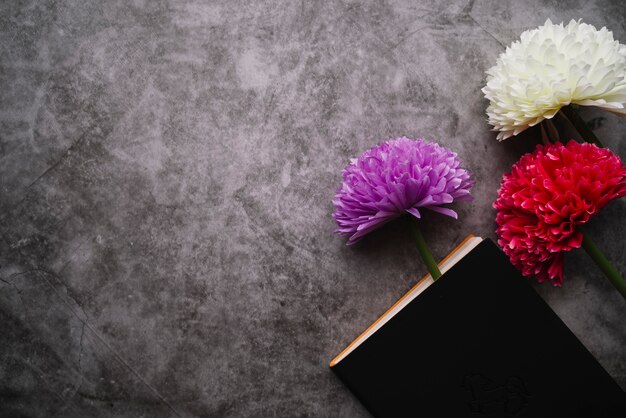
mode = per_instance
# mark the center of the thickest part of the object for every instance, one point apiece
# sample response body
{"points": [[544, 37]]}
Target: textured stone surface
{"points": [[166, 176]]}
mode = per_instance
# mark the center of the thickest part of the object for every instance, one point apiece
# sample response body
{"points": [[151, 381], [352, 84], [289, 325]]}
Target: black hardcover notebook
{"points": [[478, 342]]}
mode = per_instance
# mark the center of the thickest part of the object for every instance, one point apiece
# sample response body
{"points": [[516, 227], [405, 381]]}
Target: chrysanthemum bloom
{"points": [[394, 178], [544, 199], [551, 67]]}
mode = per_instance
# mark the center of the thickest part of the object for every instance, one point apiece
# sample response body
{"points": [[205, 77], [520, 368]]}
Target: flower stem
{"points": [[430, 262], [605, 265], [580, 125], [554, 133], [544, 135]]}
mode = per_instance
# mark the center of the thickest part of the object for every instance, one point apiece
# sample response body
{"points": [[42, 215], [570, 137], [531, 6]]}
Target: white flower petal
{"points": [[551, 67]]}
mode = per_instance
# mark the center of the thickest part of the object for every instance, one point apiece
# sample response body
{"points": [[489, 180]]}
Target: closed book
{"points": [[478, 342]]}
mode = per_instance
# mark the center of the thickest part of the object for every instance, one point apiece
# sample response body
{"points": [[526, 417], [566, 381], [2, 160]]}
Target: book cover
{"points": [[478, 342]]}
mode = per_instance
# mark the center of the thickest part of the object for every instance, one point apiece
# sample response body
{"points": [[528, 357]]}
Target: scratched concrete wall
{"points": [[166, 176]]}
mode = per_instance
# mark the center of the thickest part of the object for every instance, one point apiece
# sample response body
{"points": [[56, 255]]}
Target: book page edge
{"points": [[423, 281]]}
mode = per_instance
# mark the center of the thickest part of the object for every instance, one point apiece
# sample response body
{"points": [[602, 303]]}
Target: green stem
{"points": [[430, 262], [580, 125], [554, 133], [605, 265], [544, 135]]}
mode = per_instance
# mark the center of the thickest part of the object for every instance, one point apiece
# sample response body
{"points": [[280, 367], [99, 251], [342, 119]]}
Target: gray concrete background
{"points": [[166, 176]]}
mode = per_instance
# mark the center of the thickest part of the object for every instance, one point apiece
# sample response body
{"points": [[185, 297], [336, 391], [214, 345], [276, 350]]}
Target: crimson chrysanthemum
{"points": [[547, 195], [395, 178]]}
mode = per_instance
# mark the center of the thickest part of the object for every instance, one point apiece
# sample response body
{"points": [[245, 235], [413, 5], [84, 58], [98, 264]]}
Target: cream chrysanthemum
{"points": [[551, 67]]}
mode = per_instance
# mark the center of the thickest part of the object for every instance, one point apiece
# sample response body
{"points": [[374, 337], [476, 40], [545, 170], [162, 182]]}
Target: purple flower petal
{"points": [[414, 212], [394, 178], [444, 211]]}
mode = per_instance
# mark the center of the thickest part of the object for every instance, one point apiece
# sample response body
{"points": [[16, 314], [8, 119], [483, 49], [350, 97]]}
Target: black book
{"points": [[478, 342]]}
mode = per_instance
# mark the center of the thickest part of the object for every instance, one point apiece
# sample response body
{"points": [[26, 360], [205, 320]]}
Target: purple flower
{"points": [[394, 178]]}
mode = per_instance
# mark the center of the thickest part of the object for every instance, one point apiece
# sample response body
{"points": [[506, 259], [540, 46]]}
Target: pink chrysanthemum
{"points": [[394, 178], [546, 196]]}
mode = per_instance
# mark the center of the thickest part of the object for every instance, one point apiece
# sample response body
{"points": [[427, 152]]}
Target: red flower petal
{"points": [[546, 195]]}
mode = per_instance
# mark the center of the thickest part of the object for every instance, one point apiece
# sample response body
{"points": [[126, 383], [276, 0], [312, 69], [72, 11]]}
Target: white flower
{"points": [[551, 67]]}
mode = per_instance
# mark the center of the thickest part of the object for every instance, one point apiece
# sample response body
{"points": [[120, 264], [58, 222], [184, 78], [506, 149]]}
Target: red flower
{"points": [[547, 194]]}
